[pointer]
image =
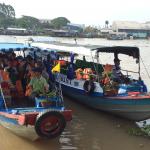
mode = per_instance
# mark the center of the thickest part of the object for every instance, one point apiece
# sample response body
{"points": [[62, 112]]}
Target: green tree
{"points": [[28, 22], [7, 22], [59, 22], [7, 15], [7, 10]]}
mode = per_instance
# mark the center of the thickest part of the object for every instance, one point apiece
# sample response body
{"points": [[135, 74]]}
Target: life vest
{"points": [[79, 72], [105, 80], [62, 62], [86, 73], [4, 75], [28, 91], [5, 85], [6, 91], [107, 73], [19, 88]]}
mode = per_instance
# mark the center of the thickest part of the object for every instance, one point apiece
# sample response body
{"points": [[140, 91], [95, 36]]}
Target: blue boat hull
{"points": [[132, 109]]}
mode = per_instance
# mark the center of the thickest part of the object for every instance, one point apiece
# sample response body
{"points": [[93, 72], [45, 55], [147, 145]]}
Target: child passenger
{"points": [[37, 85]]}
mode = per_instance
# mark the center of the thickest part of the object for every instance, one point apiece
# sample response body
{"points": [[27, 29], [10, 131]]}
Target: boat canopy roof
{"points": [[12, 46], [130, 51], [86, 49]]}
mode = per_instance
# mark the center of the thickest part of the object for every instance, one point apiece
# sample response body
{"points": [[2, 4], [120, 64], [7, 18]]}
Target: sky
{"points": [[88, 12]]}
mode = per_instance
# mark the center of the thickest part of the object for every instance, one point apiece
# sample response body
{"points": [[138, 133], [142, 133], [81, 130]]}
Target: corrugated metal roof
{"points": [[17, 29], [130, 25]]}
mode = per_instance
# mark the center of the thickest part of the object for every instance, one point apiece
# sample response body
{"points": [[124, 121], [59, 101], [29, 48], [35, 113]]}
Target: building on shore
{"points": [[132, 29], [45, 20], [55, 33], [105, 32], [74, 29], [116, 35], [16, 31], [69, 30]]}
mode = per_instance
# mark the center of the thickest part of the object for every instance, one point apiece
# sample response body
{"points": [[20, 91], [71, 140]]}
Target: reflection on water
{"points": [[66, 141], [89, 129]]}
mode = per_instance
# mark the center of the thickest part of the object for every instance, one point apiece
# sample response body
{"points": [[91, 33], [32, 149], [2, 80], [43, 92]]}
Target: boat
{"points": [[46, 118], [128, 99], [116, 36]]}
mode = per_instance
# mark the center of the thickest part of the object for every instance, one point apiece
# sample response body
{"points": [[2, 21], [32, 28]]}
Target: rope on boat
{"points": [[145, 67], [95, 66]]}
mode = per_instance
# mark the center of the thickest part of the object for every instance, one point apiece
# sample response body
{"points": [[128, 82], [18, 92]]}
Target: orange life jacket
{"points": [[79, 73], [19, 88], [5, 88], [62, 62], [86, 73], [105, 81], [5, 75], [28, 91]]}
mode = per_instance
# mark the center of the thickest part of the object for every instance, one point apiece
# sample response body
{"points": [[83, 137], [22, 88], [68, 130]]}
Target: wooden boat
{"points": [[130, 99], [46, 119]]}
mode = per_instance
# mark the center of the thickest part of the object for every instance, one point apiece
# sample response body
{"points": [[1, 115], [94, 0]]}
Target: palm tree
{"points": [[106, 23]]}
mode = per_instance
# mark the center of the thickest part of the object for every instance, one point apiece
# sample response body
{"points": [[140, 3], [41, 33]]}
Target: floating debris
{"points": [[144, 126], [136, 132]]}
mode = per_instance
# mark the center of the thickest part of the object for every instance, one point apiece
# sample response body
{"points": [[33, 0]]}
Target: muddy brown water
{"points": [[89, 130]]}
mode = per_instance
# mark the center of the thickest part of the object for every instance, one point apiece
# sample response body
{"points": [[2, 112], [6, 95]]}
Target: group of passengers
{"points": [[27, 76]]}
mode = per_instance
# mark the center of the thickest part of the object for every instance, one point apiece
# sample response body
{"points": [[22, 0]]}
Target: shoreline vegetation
{"points": [[28, 25], [57, 27]]}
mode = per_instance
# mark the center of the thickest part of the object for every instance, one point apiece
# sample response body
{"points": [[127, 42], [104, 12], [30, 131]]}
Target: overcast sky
{"points": [[88, 12]]}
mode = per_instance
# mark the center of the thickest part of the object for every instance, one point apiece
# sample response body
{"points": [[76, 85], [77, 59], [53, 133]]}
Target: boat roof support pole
{"points": [[115, 55], [145, 68], [97, 57], [139, 70], [94, 66], [23, 53], [3, 97]]}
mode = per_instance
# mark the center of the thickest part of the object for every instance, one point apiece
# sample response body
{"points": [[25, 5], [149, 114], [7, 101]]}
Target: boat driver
{"points": [[117, 75]]}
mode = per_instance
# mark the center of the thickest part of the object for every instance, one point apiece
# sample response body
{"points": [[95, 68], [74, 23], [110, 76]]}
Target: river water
{"points": [[89, 129]]}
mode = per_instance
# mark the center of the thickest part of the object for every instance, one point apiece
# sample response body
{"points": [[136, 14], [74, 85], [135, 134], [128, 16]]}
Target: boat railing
{"points": [[127, 72]]}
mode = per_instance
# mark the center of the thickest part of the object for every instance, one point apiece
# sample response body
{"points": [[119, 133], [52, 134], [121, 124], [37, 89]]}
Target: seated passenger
{"points": [[38, 84], [87, 73], [106, 74], [13, 73], [79, 73]]}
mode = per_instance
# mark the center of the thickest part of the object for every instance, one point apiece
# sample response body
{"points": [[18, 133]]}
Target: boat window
{"points": [[76, 83]]}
